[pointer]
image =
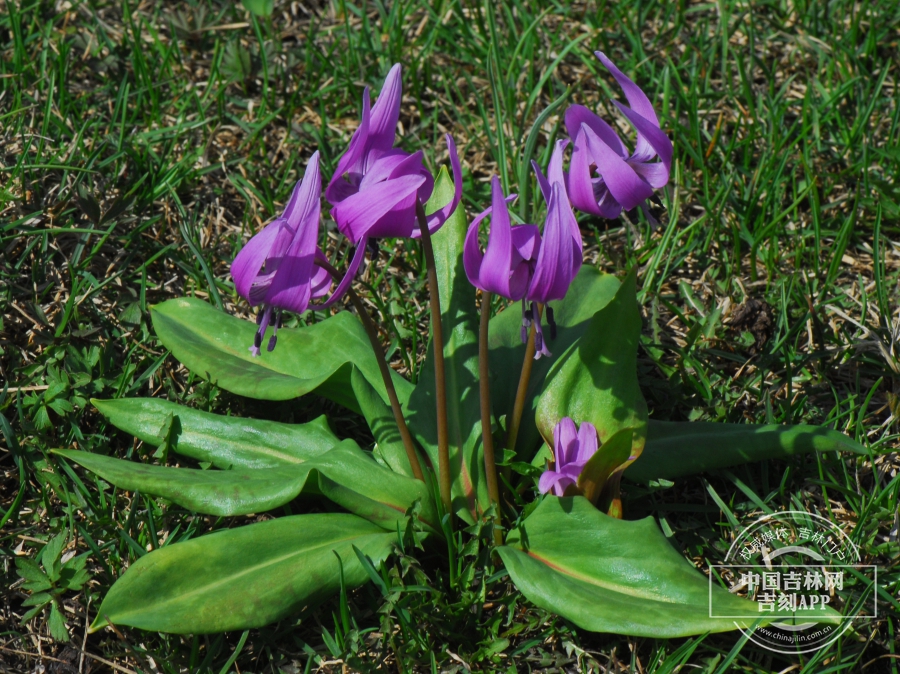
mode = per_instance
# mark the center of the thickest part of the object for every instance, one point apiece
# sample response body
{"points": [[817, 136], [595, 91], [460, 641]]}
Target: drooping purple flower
{"points": [[506, 267], [276, 269], [376, 186], [603, 178], [571, 451], [560, 255]]}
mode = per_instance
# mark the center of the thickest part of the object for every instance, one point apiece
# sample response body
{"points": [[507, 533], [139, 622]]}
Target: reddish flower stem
{"points": [[487, 438], [372, 332], [437, 342], [524, 377]]}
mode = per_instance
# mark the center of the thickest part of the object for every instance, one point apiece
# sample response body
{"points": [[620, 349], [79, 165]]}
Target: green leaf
{"points": [[353, 479], [245, 577], [31, 613], [259, 7], [459, 321], [596, 379], [345, 474], [611, 575], [222, 441], [29, 569], [314, 358], [57, 624], [675, 449], [388, 444], [50, 556], [214, 492], [39, 599], [590, 291]]}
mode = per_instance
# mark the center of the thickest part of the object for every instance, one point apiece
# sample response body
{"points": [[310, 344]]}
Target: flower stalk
{"points": [[437, 331], [487, 438], [525, 376], [372, 333]]}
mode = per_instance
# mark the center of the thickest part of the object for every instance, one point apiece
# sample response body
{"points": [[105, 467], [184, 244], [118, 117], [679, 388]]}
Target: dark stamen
{"points": [[551, 322], [372, 246], [272, 341], [257, 339], [526, 321], [278, 317], [259, 317]]}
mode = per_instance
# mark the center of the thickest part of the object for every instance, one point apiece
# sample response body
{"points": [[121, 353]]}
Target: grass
{"points": [[142, 144]]}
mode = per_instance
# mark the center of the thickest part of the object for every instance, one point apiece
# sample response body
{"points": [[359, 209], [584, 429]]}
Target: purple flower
{"points": [[560, 256], [276, 269], [603, 178], [507, 266], [376, 186], [571, 451]]}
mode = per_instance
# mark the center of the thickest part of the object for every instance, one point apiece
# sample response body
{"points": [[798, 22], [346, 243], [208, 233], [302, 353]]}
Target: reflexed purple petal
{"points": [[637, 99], [565, 436], [472, 255], [321, 280], [393, 164], [519, 279], [656, 173], [356, 215], [606, 203], [657, 142], [542, 181], [352, 160], [555, 266], [290, 285], [400, 221], [578, 115], [424, 192], [487, 211], [344, 285], [290, 288], [246, 265], [526, 239], [439, 217], [386, 111], [555, 167], [581, 184], [496, 266], [623, 183], [587, 442], [306, 195]]}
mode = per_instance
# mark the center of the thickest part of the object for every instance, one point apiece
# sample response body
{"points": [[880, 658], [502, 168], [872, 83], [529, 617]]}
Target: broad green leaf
{"points": [[596, 379], [353, 479], [590, 291], [223, 441], [611, 575], [388, 444], [460, 326], [314, 358], [214, 492], [244, 577], [345, 474], [675, 449]]}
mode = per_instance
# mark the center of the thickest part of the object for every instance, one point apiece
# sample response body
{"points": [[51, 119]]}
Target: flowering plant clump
{"points": [[553, 385]]}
